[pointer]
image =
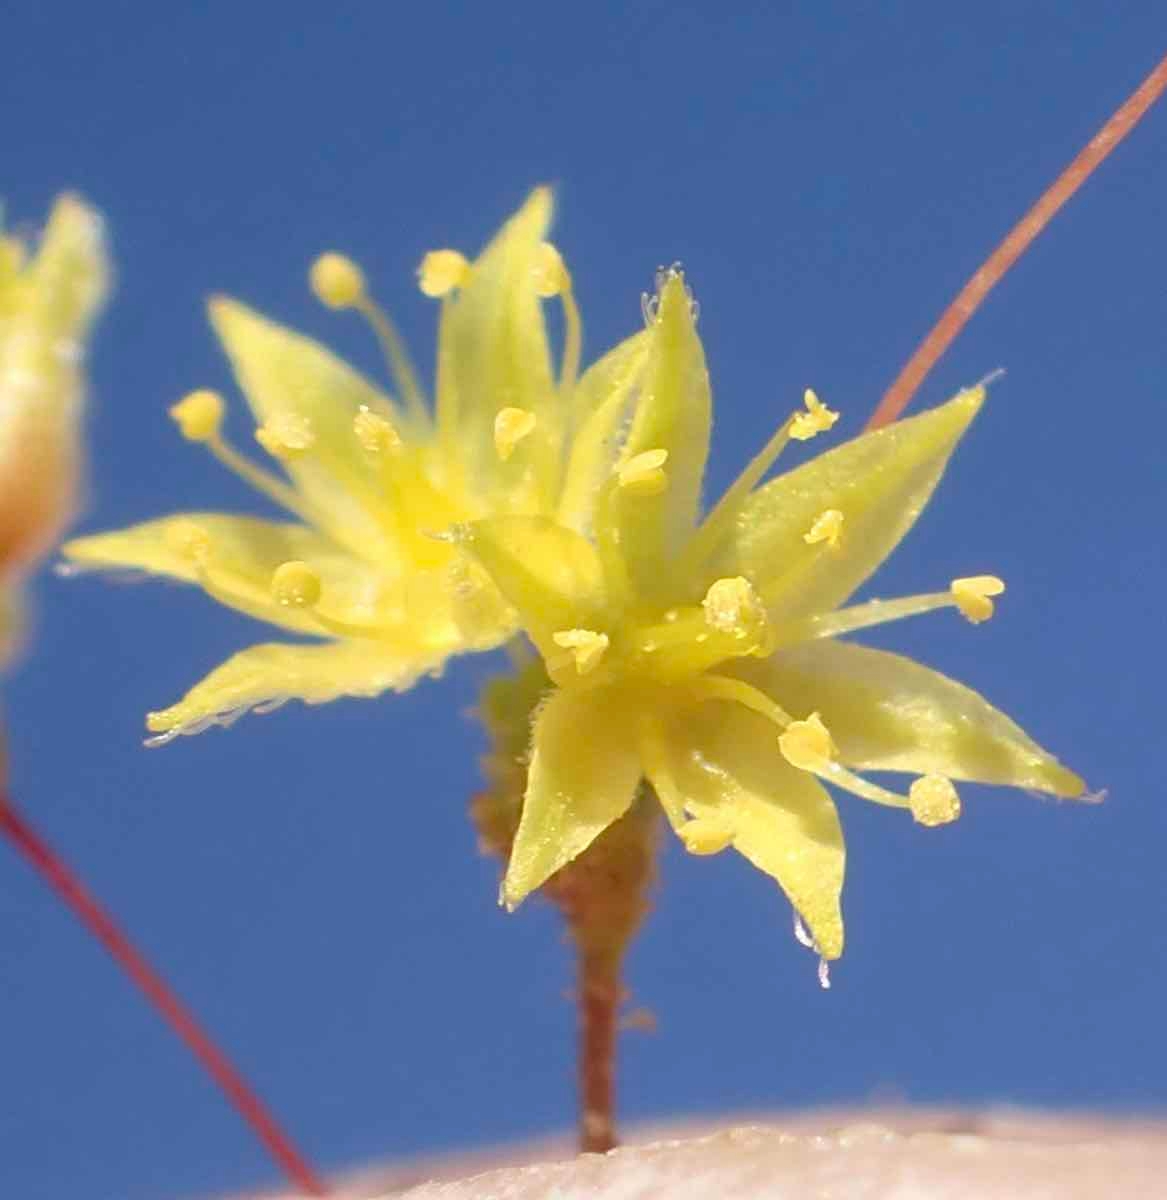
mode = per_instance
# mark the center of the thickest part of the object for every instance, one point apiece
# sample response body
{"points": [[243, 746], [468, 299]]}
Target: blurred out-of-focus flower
{"points": [[703, 655], [50, 293], [371, 480]]}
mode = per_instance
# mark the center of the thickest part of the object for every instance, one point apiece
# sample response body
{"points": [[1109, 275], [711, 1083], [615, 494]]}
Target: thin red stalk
{"points": [[89, 912], [599, 1007], [956, 316]]}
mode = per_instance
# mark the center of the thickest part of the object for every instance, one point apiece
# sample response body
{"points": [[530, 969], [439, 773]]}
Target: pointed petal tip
{"points": [[1064, 783], [674, 295], [510, 896], [227, 314], [826, 928], [541, 199], [161, 721], [972, 399]]}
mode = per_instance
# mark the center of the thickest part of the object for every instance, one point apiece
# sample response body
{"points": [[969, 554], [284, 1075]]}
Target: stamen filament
{"points": [[257, 606], [274, 489], [717, 523], [445, 387], [396, 357], [572, 341], [737, 691], [837, 774], [861, 616], [345, 629]]}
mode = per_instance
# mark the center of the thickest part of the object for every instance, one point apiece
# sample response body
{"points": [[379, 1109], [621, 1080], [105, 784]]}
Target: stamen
{"points": [[295, 585], [552, 278], [374, 432], [971, 596], [817, 418], [274, 489], [806, 744], [442, 271], [191, 541], [396, 357], [199, 415], [737, 691], [933, 800], [706, 835], [721, 517], [587, 647], [732, 606], [511, 425], [827, 527], [337, 281], [286, 435], [643, 474], [861, 616], [551, 274]]}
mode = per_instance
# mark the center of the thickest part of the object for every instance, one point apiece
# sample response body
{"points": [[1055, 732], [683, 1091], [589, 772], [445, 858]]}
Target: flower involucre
{"points": [[49, 297], [370, 480], [701, 654]]}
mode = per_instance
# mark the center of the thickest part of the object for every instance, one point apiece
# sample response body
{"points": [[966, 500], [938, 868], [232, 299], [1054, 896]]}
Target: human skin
{"points": [[873, 1155]]}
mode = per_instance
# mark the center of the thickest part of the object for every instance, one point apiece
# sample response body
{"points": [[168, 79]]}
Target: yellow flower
{"points": [[48, 301], [702, 655], [371, 480]]}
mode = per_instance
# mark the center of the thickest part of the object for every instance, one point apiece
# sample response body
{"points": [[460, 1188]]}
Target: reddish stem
{"points": [[89, 912], [599, 1006], [956, 316]]}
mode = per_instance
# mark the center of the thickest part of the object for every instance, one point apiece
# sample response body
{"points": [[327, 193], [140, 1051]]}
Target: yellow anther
{"points": [[376, 434], [337, 281], [643, 474], [933, 800], [827, 527], [587, 647], [552, 277], [806, 744], [442, 271], [971, 596], [511, 425], [189, 540], [199, 415], [286, 435], [817, 418], [706, 835], [295, 585], [732, 606]]}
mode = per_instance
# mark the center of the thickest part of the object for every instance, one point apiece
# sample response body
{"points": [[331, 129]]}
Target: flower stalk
{"points": [[602, 895], [33, 848], [1017, 241]]}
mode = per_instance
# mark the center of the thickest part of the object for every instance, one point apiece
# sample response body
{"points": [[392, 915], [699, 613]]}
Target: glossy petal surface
{"points": [[888, 713], [287, 376], [583, 775], [268, 675], [880, 482], [674, 415], [723, 763]]}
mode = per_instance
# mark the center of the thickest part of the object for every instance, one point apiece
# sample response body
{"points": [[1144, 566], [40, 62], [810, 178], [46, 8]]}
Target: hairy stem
{"points": [[600, 994], [993, 270], [69, 889]]}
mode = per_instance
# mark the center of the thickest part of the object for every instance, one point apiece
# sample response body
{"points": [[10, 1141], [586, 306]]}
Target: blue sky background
{"points": [[829, 174]]}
